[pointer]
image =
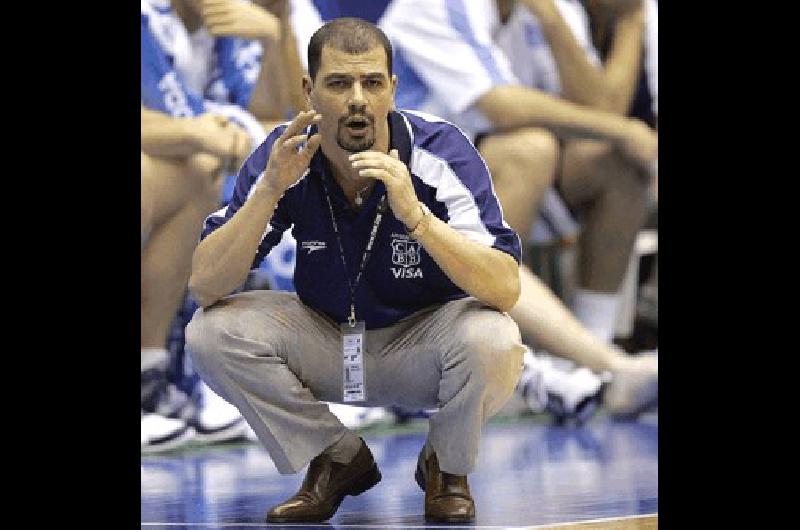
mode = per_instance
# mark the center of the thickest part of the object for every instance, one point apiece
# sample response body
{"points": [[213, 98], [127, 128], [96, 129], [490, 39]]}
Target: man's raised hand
{"points": [[286, 164], [390, 170]]}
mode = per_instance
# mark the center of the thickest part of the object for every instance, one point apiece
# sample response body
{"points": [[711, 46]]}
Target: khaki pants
{"points": [[277, 360]]}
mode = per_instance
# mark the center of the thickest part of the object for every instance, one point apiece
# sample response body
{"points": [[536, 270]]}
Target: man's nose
{"points": [[357, 101]]}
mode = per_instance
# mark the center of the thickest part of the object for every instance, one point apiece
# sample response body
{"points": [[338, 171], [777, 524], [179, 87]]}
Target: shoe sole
{"points": [[466, 519], [367, 481], [230, 433], [174, 443]]}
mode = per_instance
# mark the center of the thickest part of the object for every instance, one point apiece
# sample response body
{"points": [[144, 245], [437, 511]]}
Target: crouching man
{"points": [[404, 269]]}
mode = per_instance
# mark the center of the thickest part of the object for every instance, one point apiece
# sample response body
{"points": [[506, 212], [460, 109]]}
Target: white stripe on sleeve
{"points": [[465, 216]]}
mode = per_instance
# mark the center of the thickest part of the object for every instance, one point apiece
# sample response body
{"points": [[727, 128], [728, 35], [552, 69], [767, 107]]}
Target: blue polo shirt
{"points": [[448, 175]]}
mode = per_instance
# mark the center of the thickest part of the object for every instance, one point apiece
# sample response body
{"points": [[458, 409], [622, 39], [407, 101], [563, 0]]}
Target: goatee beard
{"points": [[357, 146]]}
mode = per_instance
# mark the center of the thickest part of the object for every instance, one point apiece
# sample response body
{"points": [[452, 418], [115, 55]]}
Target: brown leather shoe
{"points": [[447, 497], [325, 486]]}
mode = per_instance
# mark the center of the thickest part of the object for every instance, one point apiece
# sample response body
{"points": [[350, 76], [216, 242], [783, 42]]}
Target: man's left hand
{"points": [[390, 170], [239, 19]]}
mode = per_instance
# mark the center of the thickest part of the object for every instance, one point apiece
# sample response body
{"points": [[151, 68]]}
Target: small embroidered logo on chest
{"points": [[311, 246], [406, 254]]}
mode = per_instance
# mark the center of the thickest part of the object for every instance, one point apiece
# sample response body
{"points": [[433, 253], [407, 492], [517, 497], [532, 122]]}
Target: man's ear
{"points": [[308, 85]]}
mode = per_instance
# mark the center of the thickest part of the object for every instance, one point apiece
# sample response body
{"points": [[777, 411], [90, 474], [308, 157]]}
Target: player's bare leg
{"points": [[611, 194], [542, 317], [181, 193], [522, 164]]}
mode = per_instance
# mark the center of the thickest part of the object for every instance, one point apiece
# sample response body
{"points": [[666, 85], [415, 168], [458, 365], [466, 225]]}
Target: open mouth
{"points": [[357, 124]]}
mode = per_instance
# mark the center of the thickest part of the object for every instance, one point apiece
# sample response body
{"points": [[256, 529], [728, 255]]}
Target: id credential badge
{"points": [[353, 357]]}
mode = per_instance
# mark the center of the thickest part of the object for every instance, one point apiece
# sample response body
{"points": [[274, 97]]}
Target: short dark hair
{"points": [[350, 35]]}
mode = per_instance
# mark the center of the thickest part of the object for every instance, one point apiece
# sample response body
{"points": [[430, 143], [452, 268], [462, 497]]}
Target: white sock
{"points": [[154, 358], [597, 311]]}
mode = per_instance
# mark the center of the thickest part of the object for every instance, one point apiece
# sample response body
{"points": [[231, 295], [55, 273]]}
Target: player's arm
{"points": [[163, 135], [293, 64], [513, 106], [270, 97], [222, 260], [484, 272], [281, 72], [167, 136], [609, 86], [623, 63]]}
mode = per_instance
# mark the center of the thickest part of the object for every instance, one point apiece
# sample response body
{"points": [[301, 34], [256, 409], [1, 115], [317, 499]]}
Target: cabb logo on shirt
{"points": [[406, 254]]}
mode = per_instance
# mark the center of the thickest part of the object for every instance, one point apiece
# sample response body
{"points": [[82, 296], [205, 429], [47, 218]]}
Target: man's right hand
{"points": [[286, 164], [640, 143]]}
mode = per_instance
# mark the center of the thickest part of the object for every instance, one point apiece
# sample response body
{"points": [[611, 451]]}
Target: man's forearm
{"points": [[222, 260], [607, 87], [486, 273], [623, 64], [294, 66], [581, 81], [514, 106], [279, 85], [269, 99], [166, 136]]}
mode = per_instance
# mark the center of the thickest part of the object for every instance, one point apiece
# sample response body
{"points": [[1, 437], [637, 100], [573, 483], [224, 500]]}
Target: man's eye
{"points": [[373, 83], [337, 83]]}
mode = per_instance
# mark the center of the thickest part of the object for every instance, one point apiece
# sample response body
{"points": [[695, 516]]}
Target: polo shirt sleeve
{"points": [[246, 179], [449, 46], [451, 164]]}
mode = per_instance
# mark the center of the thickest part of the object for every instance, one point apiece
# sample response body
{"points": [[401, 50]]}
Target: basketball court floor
{"points": [[530, 474]]}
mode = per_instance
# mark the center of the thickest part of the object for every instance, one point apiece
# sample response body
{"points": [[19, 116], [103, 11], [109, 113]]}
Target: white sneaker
{"points": [[551, 384], [359, 417], [250, 435], [634, 385], [217, 420], [160, 433]]}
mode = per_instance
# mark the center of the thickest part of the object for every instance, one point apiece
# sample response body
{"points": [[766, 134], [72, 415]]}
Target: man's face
{"points": [[354, 94]]}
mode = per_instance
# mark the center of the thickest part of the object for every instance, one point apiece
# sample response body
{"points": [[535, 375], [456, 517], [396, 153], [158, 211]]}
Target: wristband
{"points": [[424, 222]]}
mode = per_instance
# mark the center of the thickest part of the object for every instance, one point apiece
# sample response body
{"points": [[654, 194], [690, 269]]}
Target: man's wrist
{"points": [[420, 226], [267, 189], [412, 220]]}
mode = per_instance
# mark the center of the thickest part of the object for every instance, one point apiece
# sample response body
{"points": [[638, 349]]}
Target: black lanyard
{"points": [[351, 320]]}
